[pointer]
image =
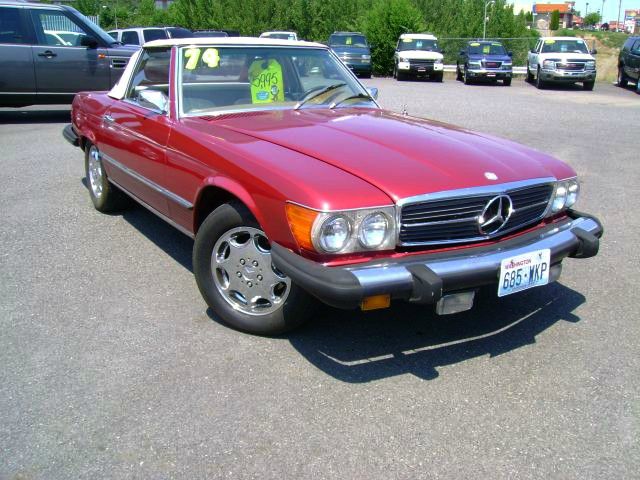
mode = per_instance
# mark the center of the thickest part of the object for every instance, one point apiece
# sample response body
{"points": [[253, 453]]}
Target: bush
{"points": [[554, 24]]}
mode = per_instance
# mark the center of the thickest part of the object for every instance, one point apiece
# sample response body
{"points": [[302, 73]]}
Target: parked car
{"points": [[418, 55], [561, 60], [280, 35], [140, 35], [299, 187], [629, 63], [484, 60], [50, 52], [354, 50], [210, 33]]}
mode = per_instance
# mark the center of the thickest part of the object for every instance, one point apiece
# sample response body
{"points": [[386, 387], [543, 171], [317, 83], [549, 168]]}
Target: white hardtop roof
{"points": [[562, 38], [231, 42], [278, 31], [421, 36]]}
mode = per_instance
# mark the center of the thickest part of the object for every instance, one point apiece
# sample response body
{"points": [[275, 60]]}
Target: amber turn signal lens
{"points": [[301, 222], [375, 302]]}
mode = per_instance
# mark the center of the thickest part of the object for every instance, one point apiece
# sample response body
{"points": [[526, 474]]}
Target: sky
{"points": [[610, 6]]}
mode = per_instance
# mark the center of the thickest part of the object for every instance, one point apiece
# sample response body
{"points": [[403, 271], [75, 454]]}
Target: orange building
{"points": [[543, 11]]}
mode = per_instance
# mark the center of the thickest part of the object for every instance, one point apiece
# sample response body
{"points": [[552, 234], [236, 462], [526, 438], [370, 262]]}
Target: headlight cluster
{"points": [[590, 65], [549, 65], [343, 231], [507, 65], [438, 61], [475, 64], [366, 57], [565, 195], [403, 59]]}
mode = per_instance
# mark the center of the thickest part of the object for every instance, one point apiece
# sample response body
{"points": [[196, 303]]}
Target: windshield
{"points": [[493, 48], [104, 36], [418, 44], [223, 78], [348, 41], [564, 46], [279, 36]]}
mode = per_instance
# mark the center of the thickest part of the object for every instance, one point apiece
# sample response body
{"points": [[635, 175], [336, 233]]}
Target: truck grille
{"points": [[571, 65], [455, 220], [492, 64], [421, 63]]}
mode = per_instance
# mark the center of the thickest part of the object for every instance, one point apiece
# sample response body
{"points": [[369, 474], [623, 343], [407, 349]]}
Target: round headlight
{"points": [[573, 191], [559, 198], [334, 234], [373, 230]]}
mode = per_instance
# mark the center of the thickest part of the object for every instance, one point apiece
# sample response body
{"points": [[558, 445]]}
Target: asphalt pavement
{"points": [[112, 366]]}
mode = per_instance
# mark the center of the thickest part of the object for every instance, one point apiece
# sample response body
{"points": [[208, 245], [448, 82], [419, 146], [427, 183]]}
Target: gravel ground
{"points": [[112, 367]]}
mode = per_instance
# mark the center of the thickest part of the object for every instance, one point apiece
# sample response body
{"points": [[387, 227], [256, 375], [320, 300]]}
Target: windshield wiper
{"points": [[321, 92], [351, 97]]}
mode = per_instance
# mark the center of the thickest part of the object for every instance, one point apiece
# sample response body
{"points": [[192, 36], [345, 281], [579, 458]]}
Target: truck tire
{"points": [[588, 85], [529, 77], [622, 79], [540, 84]]}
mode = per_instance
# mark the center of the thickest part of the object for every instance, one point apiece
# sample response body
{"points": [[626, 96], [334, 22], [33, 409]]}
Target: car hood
{"points": [[402, 156], [420, 55], [566, 56], [491, 58]]}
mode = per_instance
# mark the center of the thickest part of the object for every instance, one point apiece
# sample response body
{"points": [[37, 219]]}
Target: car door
{"points": [[17, 81], [632, 67], [66, 67], [533, 57], [135, 134]]}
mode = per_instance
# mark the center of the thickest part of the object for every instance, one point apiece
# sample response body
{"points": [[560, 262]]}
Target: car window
{"points": [[114, 35], [564, 46], [636, 46], [11, 28], [130, 38], [348, 41], [486, 48], [153, 34], [54, 28], [214, 78], [179, 33], [152, 72], [418, 44]]}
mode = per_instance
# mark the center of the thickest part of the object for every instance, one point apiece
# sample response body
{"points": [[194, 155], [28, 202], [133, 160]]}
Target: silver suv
{"points": [[141, 35], [49, 53]]}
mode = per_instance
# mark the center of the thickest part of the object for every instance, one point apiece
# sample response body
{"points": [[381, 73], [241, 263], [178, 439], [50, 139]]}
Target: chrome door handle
{"points": [[108, 118], [48, 54]]}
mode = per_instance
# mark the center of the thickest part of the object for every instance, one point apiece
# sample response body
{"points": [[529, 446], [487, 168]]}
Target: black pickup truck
{"points": [[629, 63], [50, 52]]}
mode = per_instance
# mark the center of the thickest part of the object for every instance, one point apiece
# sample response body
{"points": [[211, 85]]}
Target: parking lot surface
{"points": [[112, 366]]}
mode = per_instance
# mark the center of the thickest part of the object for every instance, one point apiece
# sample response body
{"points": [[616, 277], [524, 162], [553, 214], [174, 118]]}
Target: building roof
{"points": [[550, 7]]}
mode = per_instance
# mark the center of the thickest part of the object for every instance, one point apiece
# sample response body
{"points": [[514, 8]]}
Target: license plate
{"points": [[524, 271], [422, 69], [491, 74]]}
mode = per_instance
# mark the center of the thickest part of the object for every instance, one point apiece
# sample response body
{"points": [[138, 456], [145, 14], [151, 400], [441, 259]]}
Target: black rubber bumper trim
{"points": [[334, 286], [70, 135]]}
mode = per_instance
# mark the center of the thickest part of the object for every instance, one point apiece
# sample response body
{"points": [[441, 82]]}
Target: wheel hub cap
{"points": [[95, 172]]}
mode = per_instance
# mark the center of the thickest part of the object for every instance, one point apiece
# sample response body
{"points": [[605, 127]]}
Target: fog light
{"points": [[454, 303], [375, 302]]}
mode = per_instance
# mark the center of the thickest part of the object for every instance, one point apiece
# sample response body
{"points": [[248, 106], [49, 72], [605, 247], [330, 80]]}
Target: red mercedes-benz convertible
{"points": [[296, 186]]}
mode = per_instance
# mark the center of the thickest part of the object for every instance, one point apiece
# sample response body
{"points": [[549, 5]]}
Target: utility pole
{"points": [[484, 29], [602, 13], [586, 10], [618, 22]]}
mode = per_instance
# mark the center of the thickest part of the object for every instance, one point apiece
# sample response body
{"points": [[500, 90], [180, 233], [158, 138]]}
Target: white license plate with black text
{"points": [[524, 271]]}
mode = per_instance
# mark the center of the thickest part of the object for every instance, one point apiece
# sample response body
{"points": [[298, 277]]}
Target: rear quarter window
{"points": [[154, 34], [130, 38]]}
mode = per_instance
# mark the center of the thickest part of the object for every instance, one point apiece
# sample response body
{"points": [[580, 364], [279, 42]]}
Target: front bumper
{"points": [[359, 68], [490, 74], [568, 75], [427, 277], [70, 135], [420, 68]]}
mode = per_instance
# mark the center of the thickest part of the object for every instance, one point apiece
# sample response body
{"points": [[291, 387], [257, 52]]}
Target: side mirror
{"points": [[461, 52], [442, 52], [373, 91], [88, 41], [154, 100], [510, 54], [533, 50], [594, 51]]}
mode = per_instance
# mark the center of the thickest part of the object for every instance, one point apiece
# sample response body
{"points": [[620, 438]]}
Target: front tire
{"points": [[105, 196], [588, 86], [529, 74], [506, 82], [465, 76], [622, 79], [233, 269], [540, 84], [458, 73], [438, 77]]}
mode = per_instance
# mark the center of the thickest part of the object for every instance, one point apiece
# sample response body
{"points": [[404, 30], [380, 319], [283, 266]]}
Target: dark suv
{"points": [[484, 60], [50, 52], [629, 63], [353, 49]]}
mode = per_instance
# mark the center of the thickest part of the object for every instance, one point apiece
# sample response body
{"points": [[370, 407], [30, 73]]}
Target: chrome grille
{"points": [[490, 64], [571, 65], [421, 63], [455, 219]]}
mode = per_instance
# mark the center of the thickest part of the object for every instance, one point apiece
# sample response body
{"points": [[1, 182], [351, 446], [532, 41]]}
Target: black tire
{"points": [[296, 307], [458, 73], [529, 77], [588, 86], [622, 78], [400, 76], [438, 77], [465, 76], [105, 196], [366, 75], [540, 84], [506, 82]]}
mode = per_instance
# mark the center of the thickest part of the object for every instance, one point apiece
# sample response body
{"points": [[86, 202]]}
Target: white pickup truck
{"points": [[561, 60]]}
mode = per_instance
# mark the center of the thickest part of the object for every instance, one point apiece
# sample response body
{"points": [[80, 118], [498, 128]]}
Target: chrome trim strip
{"points": [[395, 278], [170, 195], [441, 222], [153, 210], [342, 210]]}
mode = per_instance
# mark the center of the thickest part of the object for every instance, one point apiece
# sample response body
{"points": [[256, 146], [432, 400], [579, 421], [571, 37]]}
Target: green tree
{"points": [[554, 24], [591, 18], [383, 24]]}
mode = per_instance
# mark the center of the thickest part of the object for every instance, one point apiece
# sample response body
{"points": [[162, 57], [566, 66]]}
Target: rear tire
{"points": [[458, 73], [622, 79], [235, 275], [588, 86], [105, 196]]}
